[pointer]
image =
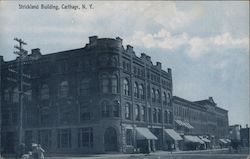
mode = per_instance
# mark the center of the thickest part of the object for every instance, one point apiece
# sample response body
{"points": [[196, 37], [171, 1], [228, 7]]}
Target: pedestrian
{"points": [[172, 148], [40, 152]]}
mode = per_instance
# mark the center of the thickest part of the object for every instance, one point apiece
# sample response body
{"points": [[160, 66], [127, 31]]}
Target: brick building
{"points": [[98, 98], [202, 119]]}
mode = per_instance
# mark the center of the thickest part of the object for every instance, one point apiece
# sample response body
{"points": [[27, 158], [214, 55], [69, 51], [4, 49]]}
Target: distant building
{"points": [[202, 119], [244, 136]]}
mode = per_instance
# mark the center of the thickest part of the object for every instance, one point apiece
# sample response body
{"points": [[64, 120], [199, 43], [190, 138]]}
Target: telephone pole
{"points": [[22, 53]]}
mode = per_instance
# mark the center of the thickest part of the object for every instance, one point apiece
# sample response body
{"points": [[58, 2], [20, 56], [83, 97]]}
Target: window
{"points": [[157, 94], [15, 95], [85, 137], [149, 115], [116, 109], [6, 95], [159, 116], [64, 88], [164, 98], [137, 112], [127, 111], [44, 116], [64, 138], [44, 138], [113, 61], [144, 113], [165, 116], [105, 84], [170, 117], [169, 99], [126, 87], [114, 84], [153, 95], [141, 91], [84, 87], [136, 92], [129, 137], [29, 95], [105, 109], [154, 115], [84, 113], [45, 91]]}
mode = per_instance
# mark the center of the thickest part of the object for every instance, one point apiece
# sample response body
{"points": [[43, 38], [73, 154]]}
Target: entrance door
{"points": [[110, 139]]}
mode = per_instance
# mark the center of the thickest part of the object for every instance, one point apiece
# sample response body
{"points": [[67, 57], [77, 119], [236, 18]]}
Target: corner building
{"points": [[95, 99]]}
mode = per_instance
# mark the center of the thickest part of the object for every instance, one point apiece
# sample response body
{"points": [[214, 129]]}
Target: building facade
{"points": [[98, 98], [202, 119]]}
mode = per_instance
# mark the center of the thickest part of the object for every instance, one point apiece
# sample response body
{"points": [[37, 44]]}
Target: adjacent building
{"points": [[98, 98]]}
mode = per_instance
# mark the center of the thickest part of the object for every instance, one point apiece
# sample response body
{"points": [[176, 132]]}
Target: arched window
{"points": [[136, 92], [137, 112], [141, 91], [45, 91], [15, 95], [127, 111], [64, 89], [158, 96], [105, 109], [126, 87], [114, 84], [105, 84], [164, 98], [84, 87], [168, 99], [153, 95], [116, 109]]}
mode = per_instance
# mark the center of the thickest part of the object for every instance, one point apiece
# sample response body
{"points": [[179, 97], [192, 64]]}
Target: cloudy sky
{"points": [[205, 43]]}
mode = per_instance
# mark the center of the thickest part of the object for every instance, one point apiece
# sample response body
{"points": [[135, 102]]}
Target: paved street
{"points": [[166, 156], [207, 154]]}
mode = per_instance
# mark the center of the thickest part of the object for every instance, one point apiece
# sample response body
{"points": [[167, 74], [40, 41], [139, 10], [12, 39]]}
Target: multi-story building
{"points": [[98, 98], [200, 120]]}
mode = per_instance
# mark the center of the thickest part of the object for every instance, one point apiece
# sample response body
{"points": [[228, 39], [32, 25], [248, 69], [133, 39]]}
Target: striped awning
{"points": [[174, 135], [195, 139], [223, 141], [204, 139], [144, 133]]}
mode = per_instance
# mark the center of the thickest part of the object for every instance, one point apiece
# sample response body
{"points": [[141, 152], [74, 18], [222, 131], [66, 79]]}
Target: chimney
{"points": [[158, 64], [35, 51], [119, 39], [246, 125], [148, 58], [130, 48], [170, 71], [92, 39], [210, 99]]}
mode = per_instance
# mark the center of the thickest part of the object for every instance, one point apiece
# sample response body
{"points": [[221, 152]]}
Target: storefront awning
{"points": [[184, 124], [144, 133], [204, 139], [194, 139], [174, 135], [228, 140], [189, 126], [179, 122], [223, 141]]}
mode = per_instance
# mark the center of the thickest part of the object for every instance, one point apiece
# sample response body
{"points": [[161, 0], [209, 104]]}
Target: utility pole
{"points": [[22, 53]]}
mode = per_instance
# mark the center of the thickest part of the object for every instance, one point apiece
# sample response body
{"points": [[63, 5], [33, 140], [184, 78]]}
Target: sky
{"points": [[206, 44]]}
